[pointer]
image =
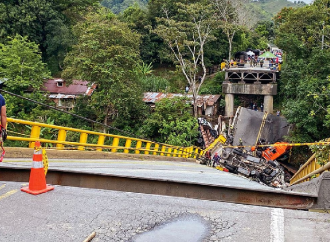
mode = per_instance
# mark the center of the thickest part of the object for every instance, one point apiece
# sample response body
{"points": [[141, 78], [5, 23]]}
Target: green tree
{"points": [[186, 35], [118, 6], [107, 53], [20, 65], [138, 20], [265, 29], [172, 122], [303, 85], [298, 36], [47, 23], [232, 16], [22, 70]]}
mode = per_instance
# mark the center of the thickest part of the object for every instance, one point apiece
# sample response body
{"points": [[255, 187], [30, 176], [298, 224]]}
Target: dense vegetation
{"points": [[262, 10], [265, 10], [304, 87], [160, 45]]}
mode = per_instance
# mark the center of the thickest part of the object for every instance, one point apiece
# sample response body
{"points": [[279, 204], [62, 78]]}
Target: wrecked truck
{"points": [[244, 163], [258, 130]]}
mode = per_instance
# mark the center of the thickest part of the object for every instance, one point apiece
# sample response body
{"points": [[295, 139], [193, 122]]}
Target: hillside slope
{"points": [[267, 9], [118, 6], [261, 9]]}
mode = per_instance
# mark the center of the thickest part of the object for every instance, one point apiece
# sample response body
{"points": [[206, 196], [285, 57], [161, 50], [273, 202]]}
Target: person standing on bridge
{"points": [[3, 115]]}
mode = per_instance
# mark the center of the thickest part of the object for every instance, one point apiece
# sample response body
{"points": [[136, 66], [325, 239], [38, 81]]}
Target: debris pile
{"points": [[207, 133], [258, 169], [247, 150]]}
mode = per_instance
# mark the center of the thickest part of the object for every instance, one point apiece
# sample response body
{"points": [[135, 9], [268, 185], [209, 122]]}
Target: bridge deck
{"points": [[182, 179], [165, 170]]}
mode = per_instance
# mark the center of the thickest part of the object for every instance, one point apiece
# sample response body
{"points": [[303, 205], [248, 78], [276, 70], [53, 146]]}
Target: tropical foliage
{"points": [[107, 53], [124, 55], [171, 122]]}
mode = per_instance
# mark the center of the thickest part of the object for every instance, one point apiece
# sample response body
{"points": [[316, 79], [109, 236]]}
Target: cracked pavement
{"points": [[71, 214]]}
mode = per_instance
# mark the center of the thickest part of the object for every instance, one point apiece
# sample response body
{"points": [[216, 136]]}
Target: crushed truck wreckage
{"points": [[247, 151], [259, 169]]}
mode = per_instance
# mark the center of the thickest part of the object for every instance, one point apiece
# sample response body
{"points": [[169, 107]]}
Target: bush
{"points": [[214, 85]]}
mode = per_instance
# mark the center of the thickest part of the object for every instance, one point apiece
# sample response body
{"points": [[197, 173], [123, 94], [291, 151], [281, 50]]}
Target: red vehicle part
{"points": [[272, 153]]}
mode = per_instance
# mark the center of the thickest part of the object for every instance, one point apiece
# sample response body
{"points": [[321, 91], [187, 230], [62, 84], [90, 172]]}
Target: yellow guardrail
{"points": [[310, 169], [221, 139], [105, 142]]}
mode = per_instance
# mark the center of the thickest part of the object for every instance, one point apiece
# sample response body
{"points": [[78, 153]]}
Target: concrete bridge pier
{"points": [[268, 103], [249, 81], [229, 98]]}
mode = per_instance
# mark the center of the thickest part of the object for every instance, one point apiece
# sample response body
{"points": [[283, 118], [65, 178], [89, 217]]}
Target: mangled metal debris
{"points": [[242, 162], [207, 133], [247, 151]]}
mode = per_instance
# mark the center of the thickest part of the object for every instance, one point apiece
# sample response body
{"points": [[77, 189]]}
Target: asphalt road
{"points": [[72, 214]]}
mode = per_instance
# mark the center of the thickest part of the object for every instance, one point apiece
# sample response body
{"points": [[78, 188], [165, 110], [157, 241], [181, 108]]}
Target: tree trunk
{"points": [[195, 106], [230, 46]]}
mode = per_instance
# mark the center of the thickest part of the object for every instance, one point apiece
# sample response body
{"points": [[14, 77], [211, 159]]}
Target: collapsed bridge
{"points": [[120, 169]]}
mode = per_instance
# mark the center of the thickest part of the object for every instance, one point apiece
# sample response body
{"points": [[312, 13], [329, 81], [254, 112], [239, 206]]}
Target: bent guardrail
{"points": [[64, 137], [310, 169]]}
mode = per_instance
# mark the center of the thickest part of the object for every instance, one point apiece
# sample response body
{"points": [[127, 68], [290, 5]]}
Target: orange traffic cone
{"points": [[37, 182]]}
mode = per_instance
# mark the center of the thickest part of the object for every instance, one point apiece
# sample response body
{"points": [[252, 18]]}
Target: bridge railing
{"points": [[221, 139], [64, 138], [309, 170]]}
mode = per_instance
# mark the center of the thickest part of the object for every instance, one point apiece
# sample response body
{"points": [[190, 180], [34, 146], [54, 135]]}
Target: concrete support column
{"points": [[268, 103], [229, 98]]}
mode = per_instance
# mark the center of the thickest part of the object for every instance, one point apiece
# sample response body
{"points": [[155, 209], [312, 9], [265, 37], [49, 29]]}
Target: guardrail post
{"points": [[83, 140], [169, 151], [185, 153], [163, 150], [180, 152], [115, 143], [35, 134], [175, 152], [196, 153], [127, 145], [156, 149], [100, 142], [190, 151], [147, 148], [138, 146], [61, 137]]}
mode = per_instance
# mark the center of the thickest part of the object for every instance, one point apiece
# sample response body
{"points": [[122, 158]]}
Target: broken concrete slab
{"points": [[319, 187], [248, 124]]}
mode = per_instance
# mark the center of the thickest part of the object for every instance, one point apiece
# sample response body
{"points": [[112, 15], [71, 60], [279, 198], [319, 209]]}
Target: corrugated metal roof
{"points": [[78, 87], [61, 96], [153, 97]]}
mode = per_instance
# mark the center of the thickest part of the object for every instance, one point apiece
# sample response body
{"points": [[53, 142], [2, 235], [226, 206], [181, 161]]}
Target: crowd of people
{"points": [[255, 107], [254, 60]]}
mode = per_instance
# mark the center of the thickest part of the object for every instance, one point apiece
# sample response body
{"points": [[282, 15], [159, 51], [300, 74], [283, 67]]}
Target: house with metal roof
{"points": [[208, 105], [64, 95]]}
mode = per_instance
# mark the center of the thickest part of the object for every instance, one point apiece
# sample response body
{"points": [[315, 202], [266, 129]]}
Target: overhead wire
{"points": [[72, 114], [133, 135]]}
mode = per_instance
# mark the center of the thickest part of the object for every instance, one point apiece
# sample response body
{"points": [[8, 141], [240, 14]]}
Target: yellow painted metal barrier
{"points": [[96, 141], [310, 169], [221, 139]]}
